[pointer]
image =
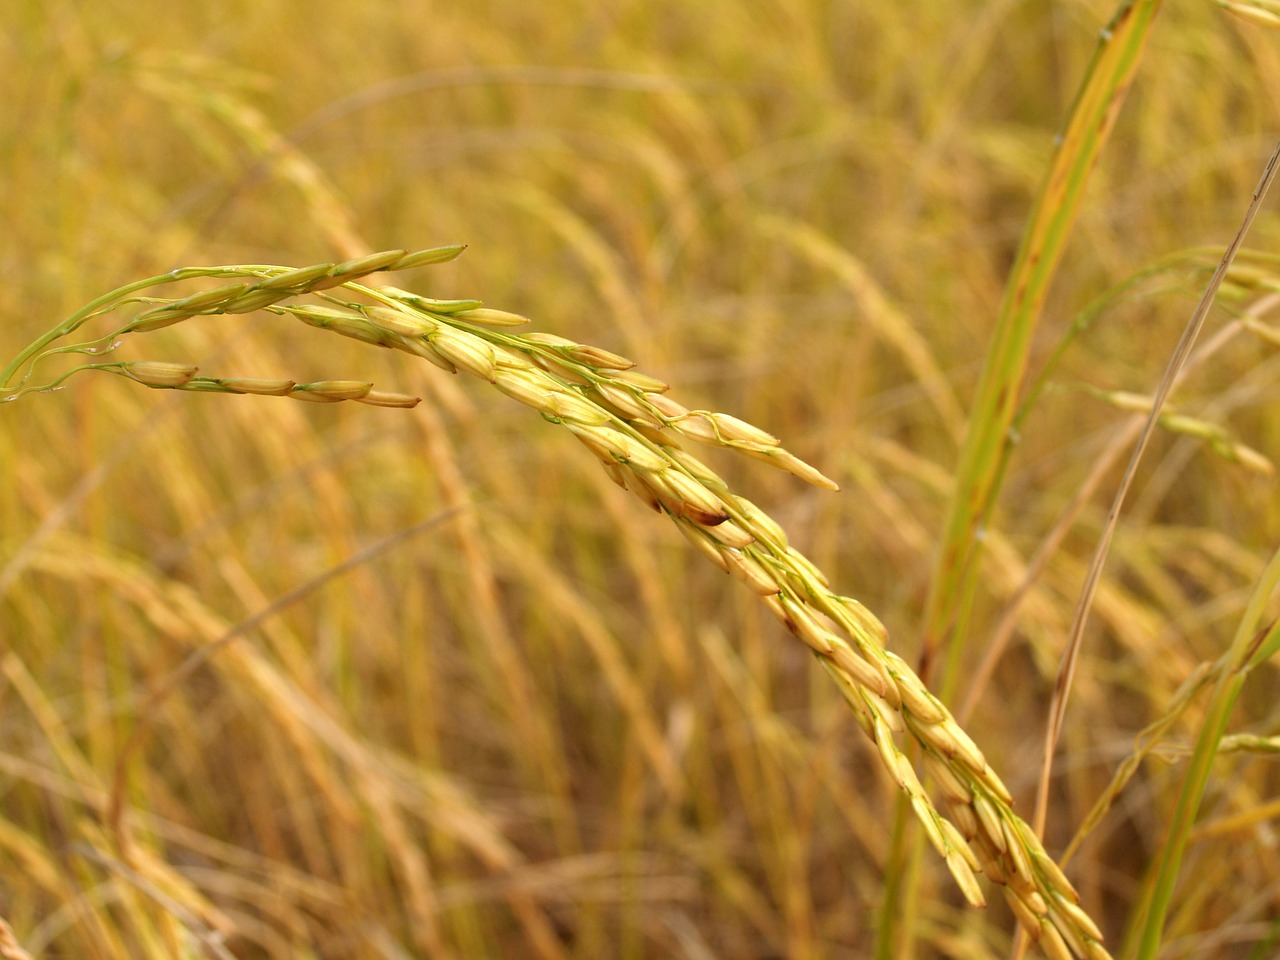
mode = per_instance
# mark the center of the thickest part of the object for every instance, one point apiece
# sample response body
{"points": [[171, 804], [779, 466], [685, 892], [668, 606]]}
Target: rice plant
{"points": [[542, 731]]}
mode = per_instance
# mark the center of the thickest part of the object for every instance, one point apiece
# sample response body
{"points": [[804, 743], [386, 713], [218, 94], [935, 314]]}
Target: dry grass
{"points": [[537, 725]]}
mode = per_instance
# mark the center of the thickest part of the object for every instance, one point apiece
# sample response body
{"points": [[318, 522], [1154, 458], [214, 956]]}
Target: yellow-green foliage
{"points": [[459, 695]]}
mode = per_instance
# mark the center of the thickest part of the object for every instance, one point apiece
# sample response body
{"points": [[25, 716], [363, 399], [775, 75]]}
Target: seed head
{"points": [[258, 386], [486, 317], [299, 279], [572, 408], [465, 351], [750, 571], [530, 386], [200, 302], [596, 357], [383, 398], [160, 373], [424, 258], [331, 391], [402, 322]]}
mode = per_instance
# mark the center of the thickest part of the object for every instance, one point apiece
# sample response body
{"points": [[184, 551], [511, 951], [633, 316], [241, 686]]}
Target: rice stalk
{"points": [[1248, 636], [983, 456], [637, 432], [10, 949], [349, 771]]}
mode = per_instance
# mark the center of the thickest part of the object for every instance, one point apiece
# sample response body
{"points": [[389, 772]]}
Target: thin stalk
{"points": [[1249, 648], [978, 473], [1062, 688], [85, 313], [981, 467]]}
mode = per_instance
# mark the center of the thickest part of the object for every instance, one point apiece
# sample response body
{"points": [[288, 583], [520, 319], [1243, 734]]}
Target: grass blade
{"points": [[1249, 640], [980, 466]]}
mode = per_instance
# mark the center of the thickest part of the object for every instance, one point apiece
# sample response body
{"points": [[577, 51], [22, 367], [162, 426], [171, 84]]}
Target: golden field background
{"points": [[527, 720]]}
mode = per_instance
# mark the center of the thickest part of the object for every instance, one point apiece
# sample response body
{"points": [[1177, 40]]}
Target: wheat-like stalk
{"points": [[10, 949], [636, 430]]}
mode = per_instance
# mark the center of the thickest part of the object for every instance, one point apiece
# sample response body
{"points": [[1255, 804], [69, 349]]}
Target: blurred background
{"points": [[472, 700]]}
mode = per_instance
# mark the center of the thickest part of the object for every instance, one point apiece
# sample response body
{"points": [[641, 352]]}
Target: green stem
{"points": [[980, 470], [983, 457], [1249, 642], [111, 300], [77, 319]]}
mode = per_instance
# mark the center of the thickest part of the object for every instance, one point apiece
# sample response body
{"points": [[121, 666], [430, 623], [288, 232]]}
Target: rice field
{"points": [[412, 670]]}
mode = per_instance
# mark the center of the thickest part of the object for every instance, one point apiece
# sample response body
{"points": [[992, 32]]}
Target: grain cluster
{"points": [[629, 422]]}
